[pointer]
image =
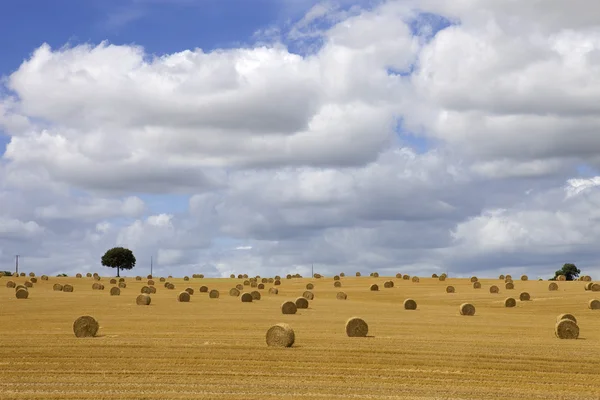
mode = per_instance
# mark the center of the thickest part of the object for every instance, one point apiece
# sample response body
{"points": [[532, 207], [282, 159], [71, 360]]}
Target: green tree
{"points": [[119, 258], [570, 271]]}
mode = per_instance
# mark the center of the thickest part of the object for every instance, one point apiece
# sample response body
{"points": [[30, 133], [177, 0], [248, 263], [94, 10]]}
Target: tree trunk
{"points": [[118, 272]]}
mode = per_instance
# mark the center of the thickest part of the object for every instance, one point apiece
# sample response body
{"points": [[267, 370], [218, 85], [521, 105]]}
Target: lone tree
{"points": [[119, 258], [570, 271]]}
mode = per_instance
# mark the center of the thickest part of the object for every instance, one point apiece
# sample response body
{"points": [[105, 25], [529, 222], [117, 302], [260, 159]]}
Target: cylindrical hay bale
{"points": [[308, 295], [33, 280], [337, 284], [78, 275], [406, 277], [31, 274], [587, 278], [183, 297], [89, 275], [246, 297], [143, 300], [280, 335], [509, 286], [166, 284], [336, 278], [240, 276], [270, 280], [204, 289], [253, 284], [149, 277], [264, 280], [553, 286], [510, 302], [373, 288], [358, 274], [115, 291], [595, 287], [121, 279], [213, 294], [288, 276], [588, 286], [289, 307], [261, 286], [277, 282], [375, 274], [246, 283], [239, 287], [145, 290], [100, 286], [310, 286], [467, 309], [234, 292], [524, 296], [85, 326], [450, 289], [245, 276], [122, 285], [566, 316], [415, 279], [150, 282], [410, 304], [10, 284], [388, 284], [494, 289], [442, 278], [342, 274], [20, 287], [474, 279], [152, 289], [97, 277], [566, 329], [594, 304], [67, 288], [44, 277], [162, 279], [95, 286], [501, 277], [341, 296], [22, 294], [561, 278], [435, 276], [186, 278], [170, 286], [113, 281], [170, 277], [255, 295], [302, 302], [28, 284], [273, 291], [138, 278], [22, 274], [398, 276], [190, 290], [57, 287], [356, 327], [477, 285], [508, 277], [524, 277], [232, 276]]}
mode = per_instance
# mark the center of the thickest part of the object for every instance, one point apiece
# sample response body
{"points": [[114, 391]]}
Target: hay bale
{"points": [[508, 277], [85, 326], [186, 278], [509, 286], [442, 278], [20, 287], [342, 274], [138, 278], [44, 277], [67, 288], [373, 288], [336, 278], [308, 295], [510, 302], [524, 296], [143, 300], [524, 277], [310, 286], [570, 317], [494, 289], [151, 282], [388, 284], [246, 283], [358, 274], [170, 286], [28, 284], [588, 286], [273, 291], [474, 279], [255, 295], [288, 276], [553, 286], [149, 277], [145, 290], [415, 279], [435, 276], [450, 289], [113, 281], [152, 289], [166, 284], [183, 297], [204, 289], [477, 285], [264, 280], [594, 304], [122, 285], [375, 274], [234, 292], [341, 296], [277, 282], [95, 286], [280, 335], [587, 278], [88, 275], [190, 290], [213, 294], [245, 276], [337, 284], [501, 277], [566, 329], [232, 276], [162, 279], [121, 279], [561, 278], [58, 287], [301, 302], [31, 274], [253, 284], [289, 307], [240, 276], [33, 280], [78, 276], [100, 286], [115, 291], [398, 276], [22, 293], [356, 327], [239, 287], [246, 297], [410, 304], [170, 277], [595, 287], [270, 280], [22, 274], [97, 277], [261, 286], [467, 309], [10, 284], [406, 277]]}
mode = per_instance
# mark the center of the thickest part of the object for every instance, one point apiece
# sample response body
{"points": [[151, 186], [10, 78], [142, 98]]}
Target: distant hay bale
{"points": [[22, 274], [336, 278], [28, 284], [151, 282], [450, 289], [253, 284], [22, 293], [245, 276], [277, 278], [442, 278], [388, 284], [115, 291], [138, 278], [143, 300], [213, 294], [100, 286], [97, 277], [44, 277], [509, 286], [410, 304], [445, 275], [246, 297], [95, 286], [594, 304], [264, 280], [190, 290], [501, 277], [358, 274], [280, 335], [474, 279], [113, 281], [494, 289], [255, 295], [273, 291], [289, 307], [239, 287], [149, 277], [85, 326], [183, 297], [398, 276], [415, 279], [20, 287], [587, 278], [162, 279], [510, 302], [246, 283], [341, 296], [566, 329], [595, 287], [95, 274], [373, 288], [122, 285], [561, 278], [301, 302], [240, 276], [186, 278], [588, 286], [308, 295], [342, 274], [68, 288], [477, 285], [261, 286], [58, 287], [570, 317], [406, 277], [78, 275], [145, 290], [204, 289], [435, 276], [32, 274], [277, 282], [337, 284], [166, 284], [121, 279], [270, 280], [356, 327], [553, 286], [152, 289], [170, 286], [310, 286], [288, 276], [170, 277], [10, 284], [375, 274], [524, 296], [524, 277], [508, 277], [318, 276], [467, 309], [232, 276], [234, 292], [201, 276]]}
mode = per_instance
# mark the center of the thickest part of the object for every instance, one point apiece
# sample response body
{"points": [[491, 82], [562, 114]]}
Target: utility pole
{"points": [[17, 263], [312, 270], [150, 265]]}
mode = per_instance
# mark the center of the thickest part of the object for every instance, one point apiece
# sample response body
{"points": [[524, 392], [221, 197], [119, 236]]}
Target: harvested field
{"points": [[138, 352]]}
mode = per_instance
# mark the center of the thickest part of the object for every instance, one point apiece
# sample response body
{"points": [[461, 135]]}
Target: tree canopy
{"points": [[570, 271], [119, 258]]}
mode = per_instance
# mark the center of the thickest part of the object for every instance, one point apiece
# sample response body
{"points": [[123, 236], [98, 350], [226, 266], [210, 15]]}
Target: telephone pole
{"points": [[312, 270], [17, 263], [150, 265]]}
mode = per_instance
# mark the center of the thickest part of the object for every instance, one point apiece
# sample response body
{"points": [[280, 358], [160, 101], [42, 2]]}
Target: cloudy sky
{"points": [[263, 136]]}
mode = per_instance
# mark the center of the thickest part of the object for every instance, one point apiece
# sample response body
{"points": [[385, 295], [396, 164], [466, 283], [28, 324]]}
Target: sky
{"points": [[269, 136]]}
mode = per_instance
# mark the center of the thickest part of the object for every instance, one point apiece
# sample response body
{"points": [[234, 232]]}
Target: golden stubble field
{"points": [[215, 348]]}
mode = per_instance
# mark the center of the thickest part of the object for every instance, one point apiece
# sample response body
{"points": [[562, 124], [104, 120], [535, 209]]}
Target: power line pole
{"points": [[150, 265], [17, 263], [312, 270]]}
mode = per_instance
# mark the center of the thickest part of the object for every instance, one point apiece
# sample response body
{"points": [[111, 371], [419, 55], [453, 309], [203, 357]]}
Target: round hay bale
{"points": [[10, 284], [88, 275], [289, 307], [310, 286], [566, 329], [33, 280], [442, 278], [570, 317], [22, 274], [509, 286], [213, 294], [356, 327], [595, 287], [97, 277], [477, 285], [122, 285], [410, 304], [239, 287], [588, 286], [95, 274], [373, 288], [336, 278], [100, 287], [341, 296], [234, 292], [58, 287], [435, 276], [20, 287], [273, 291], [280, 335], [150, 282], [246, 297], [152, 290], [22, 293], [253, 284], [342, 274], [186, 278], [450, 289], [145, 290], [166, 284], [398, 276], [121, 279], [246, 283], [44, 277], [138, 278], [501, 277], [508, 277], [375, 274], [67, 288], [587, 278], [467, 309], [594, 304], [337, 284], [388, 284], [183, 297], [31, 274], [255, 295], [264, 280], [494, 289], [190, 290], [524, 296], [95, 286], [240, 276], [28, 284], [162, 279], [270, 280], [261, 286], [170, 286], [415, 279], [113, 281], [85, 326], [245, 276], [170, 277], [510, 302], [277, 282], [232, 276], [308, 295], [406, 277], [561, 278], [143, 300], [288, 276], [524, 277], [78, 276], [149, 277], [474, 279], [204, 289], [115, 291], [553, 286], [357, 274], [301, 302]]}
